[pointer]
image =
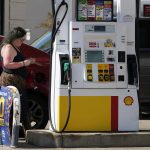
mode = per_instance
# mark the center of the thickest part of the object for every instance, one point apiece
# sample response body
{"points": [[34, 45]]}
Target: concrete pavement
{"points": [[144, 129], [116, 148], [45, 138]]}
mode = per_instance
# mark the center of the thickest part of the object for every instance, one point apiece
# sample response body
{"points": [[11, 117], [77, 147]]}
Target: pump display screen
{"points": [[99, 28], [94, 56]]}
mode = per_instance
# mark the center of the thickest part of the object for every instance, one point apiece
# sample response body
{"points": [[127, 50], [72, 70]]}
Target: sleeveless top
{"points": [[19, 71]]}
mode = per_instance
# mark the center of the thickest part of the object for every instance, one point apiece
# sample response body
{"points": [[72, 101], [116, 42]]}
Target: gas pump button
{"points": [[100, 77], [121, 56], [121, 78], [89, 78], [106, 77], [112, 78]]}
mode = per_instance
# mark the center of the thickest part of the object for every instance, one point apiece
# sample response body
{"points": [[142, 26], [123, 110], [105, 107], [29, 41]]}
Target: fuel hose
{"points": [[54, 32]]}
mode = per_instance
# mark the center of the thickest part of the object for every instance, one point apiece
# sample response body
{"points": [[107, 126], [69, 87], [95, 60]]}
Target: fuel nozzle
{"points": [[66, 70]]}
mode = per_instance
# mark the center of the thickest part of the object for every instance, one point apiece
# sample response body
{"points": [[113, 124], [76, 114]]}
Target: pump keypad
{"points": [[106, 72]]}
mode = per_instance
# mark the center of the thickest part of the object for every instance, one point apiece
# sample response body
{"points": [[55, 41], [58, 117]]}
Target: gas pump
{"points": [[94, 78]]}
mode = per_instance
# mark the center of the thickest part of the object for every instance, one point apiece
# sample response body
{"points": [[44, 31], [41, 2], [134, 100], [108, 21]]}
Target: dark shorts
{"points": [[7, 79]]}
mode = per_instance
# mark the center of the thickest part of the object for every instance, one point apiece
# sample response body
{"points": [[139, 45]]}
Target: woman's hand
{"points": [[29, 61]]}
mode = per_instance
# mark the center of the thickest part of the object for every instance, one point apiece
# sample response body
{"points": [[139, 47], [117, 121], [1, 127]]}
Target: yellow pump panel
{"points": [[88, 113]]}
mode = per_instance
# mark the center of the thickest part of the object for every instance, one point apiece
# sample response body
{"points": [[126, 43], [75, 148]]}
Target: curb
{"points": [[46, 138]]}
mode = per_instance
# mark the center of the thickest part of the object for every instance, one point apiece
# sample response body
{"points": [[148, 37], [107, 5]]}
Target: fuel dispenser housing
{"points": [[100, 61]]}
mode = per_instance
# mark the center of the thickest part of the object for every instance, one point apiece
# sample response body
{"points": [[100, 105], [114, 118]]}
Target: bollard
{"points": [[15, 136]]}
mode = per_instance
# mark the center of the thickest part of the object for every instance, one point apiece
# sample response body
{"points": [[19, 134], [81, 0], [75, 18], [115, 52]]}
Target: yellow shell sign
{"points": [[128, 100]]}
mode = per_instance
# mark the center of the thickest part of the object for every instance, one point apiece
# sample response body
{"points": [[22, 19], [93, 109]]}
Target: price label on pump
{"points": [[146, 12], [94, 10]]}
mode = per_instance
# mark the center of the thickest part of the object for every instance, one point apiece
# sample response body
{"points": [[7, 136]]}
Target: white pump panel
{"points": [[98, 45]]}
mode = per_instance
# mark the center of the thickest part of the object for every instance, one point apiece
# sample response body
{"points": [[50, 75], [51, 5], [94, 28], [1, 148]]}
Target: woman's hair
{"points": [[15, 33]]}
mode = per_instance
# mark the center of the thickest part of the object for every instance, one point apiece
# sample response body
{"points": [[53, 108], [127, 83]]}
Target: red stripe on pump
{"points": [[114, 113]]}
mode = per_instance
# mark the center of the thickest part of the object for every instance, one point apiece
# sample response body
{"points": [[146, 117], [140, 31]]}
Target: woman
{"points": [[14, 68]]}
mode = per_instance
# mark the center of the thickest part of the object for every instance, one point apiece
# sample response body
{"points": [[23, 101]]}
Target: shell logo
{"points": [[128, 100]]}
